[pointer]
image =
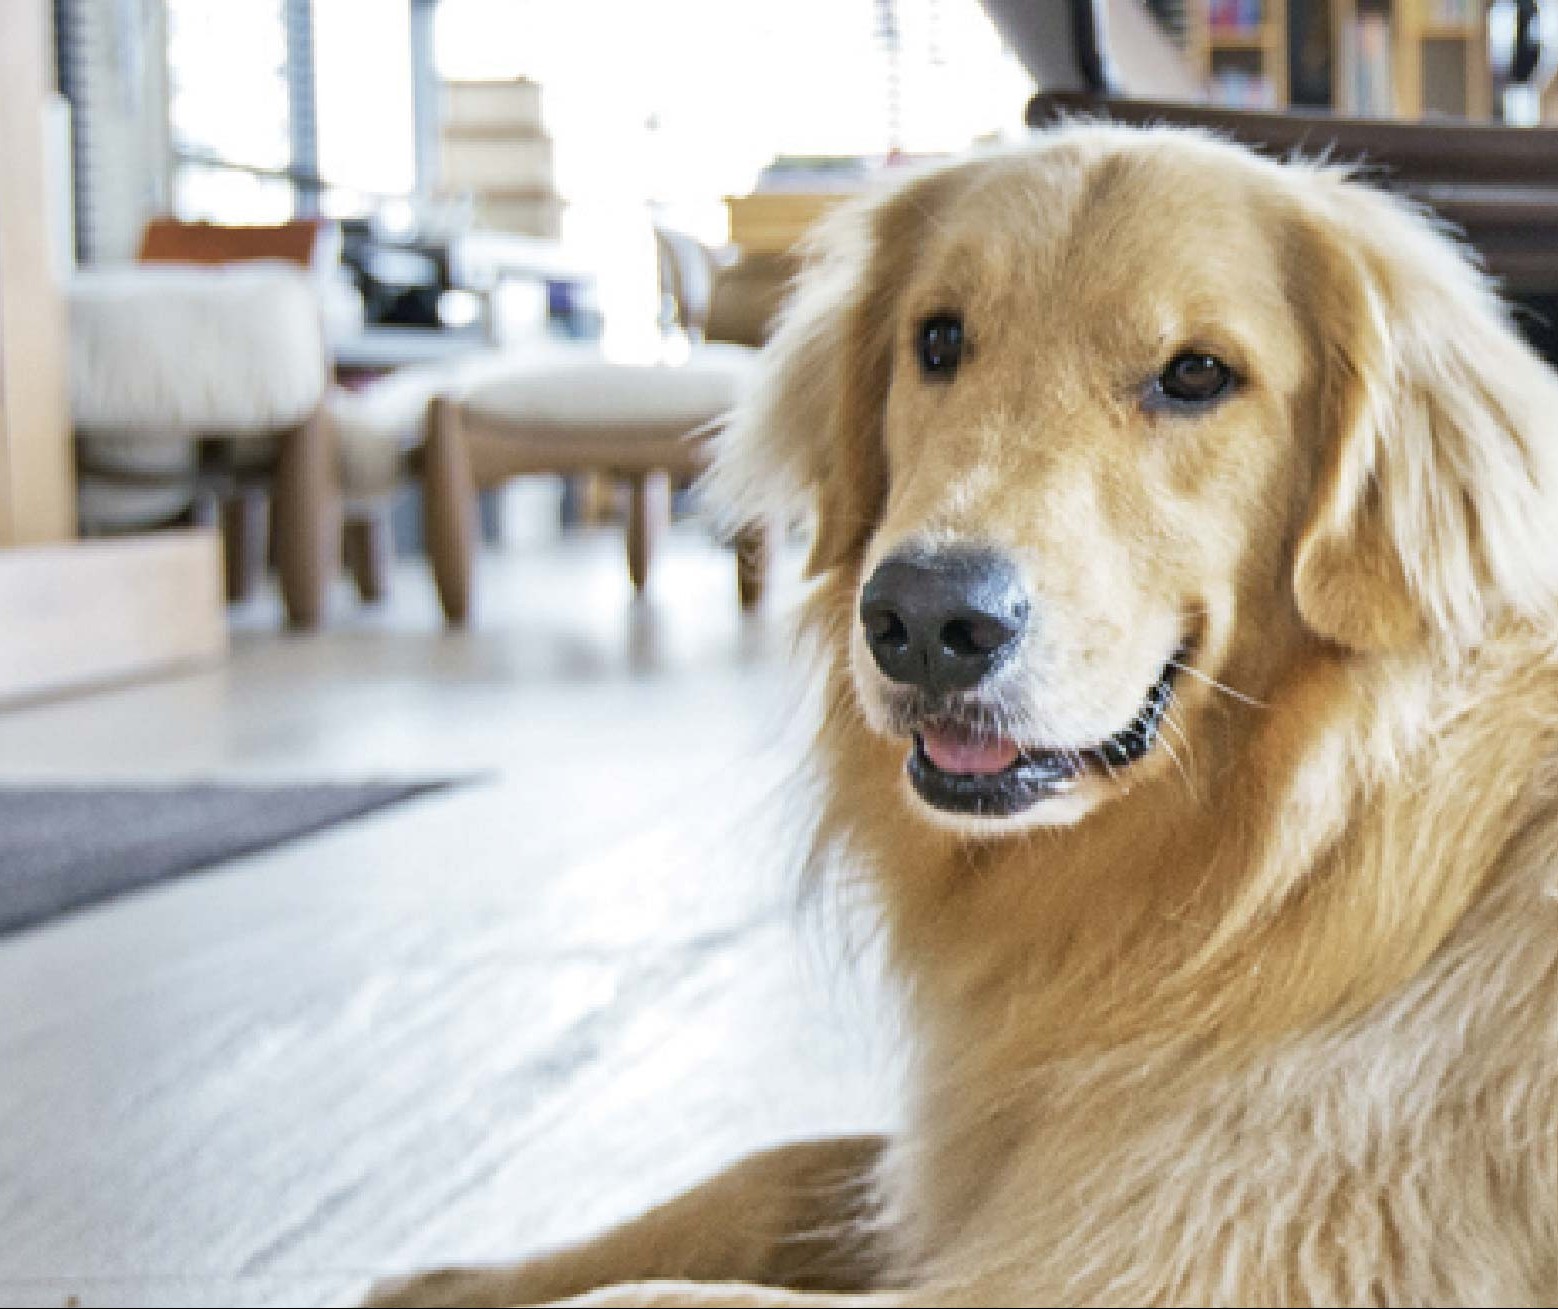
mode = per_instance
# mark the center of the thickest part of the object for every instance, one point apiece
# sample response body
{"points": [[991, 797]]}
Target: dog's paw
{"points": [[718, 1295], [447, 1288]]}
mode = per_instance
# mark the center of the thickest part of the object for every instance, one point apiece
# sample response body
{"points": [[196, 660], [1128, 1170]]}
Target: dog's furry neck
{"points": [[1092, 982], [1362, 765]]}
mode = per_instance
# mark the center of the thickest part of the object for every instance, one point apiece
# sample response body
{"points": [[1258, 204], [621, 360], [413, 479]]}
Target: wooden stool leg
{"points": [[244, 521], [367, 548], [752, 560], [649, 510], [449, 510], [306, 516]]}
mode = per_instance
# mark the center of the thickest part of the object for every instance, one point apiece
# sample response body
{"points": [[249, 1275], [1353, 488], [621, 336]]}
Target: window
{"points": [[362, 72], [274, 101], [664, 107], [228, 110]]}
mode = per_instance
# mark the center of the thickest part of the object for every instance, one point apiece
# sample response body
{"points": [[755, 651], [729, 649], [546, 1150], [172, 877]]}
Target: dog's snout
{"points": [[943, 620]]}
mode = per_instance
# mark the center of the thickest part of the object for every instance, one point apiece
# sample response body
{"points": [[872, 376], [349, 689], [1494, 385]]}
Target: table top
{"points": [[388, 347], [774, 222]]}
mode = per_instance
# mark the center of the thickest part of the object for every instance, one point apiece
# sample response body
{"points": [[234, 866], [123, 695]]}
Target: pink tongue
{"points": [[958, 754]]}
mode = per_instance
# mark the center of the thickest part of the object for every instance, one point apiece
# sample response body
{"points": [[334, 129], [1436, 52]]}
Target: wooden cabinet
{"points": [[37, 492], [71, 613], [775, 222]]}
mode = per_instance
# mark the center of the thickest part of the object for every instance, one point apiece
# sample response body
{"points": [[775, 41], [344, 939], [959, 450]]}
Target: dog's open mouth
{"points": [[961, 770]]}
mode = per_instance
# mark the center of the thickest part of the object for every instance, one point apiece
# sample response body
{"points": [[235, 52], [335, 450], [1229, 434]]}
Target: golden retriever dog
{"points": [[1185, 568]]}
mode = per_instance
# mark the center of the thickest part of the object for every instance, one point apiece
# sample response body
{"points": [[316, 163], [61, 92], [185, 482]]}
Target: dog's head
{"points": [[1100, 430]]}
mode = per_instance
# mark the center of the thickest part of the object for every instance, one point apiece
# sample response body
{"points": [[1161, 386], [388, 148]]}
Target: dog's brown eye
{"points": [[1194, 378], [939, 344]]}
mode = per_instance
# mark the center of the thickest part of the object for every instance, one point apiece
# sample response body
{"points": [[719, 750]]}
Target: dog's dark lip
{"points": [[1035, 776], [1040, 773]]}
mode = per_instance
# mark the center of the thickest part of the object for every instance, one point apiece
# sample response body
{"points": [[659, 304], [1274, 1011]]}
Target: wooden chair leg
{"points": [[649, 510], [306, 517], [752, 560], [449, 510], [245, 520], [366, 545]]}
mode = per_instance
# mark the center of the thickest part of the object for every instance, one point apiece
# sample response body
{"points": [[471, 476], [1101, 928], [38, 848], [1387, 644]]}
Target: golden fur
{"points": [[1271, 1017]]}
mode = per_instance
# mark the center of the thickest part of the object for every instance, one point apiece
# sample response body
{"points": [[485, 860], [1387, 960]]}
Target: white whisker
{"points": [[1179, 728], [1184, 772], [1218, 686], [1189, 755], [1169, 722]]}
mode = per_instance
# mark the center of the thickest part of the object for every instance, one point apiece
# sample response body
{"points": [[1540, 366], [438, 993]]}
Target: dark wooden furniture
{"points": [[1497, 184], [174, 240]]}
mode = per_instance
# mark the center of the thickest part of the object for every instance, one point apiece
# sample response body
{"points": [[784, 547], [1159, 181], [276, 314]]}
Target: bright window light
{"points": [[362, 80], [665, 107], [227, 101]]}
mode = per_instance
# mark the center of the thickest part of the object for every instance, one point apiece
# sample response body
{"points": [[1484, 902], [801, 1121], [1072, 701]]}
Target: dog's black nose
{"points": [[943, 620]]}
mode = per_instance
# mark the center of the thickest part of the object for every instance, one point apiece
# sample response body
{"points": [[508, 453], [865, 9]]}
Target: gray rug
{"points": [[65, 847]]}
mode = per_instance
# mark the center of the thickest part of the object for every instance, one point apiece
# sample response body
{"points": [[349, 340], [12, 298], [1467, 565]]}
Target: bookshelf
{"points": [[1240, 47], [1442, 59], [1368, 58]]}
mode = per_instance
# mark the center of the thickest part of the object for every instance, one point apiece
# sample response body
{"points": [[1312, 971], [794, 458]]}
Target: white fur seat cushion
{"points": [[375, 428], [378, 425], [591, 394], [170, 348]]}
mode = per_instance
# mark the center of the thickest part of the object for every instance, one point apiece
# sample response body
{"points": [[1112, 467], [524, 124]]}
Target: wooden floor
{"points": [[464, 1027]]}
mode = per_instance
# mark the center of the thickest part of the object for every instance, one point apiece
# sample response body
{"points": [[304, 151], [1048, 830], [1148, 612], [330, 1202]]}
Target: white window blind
{"points": [[104, 54]]}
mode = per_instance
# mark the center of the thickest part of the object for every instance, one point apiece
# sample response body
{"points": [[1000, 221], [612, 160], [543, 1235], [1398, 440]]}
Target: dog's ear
{"points": [[807, 440], [1434, 502]]}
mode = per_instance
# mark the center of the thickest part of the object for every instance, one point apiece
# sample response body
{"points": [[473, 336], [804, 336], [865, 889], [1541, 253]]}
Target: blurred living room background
{"points": [[478, 190], [396, 844]]}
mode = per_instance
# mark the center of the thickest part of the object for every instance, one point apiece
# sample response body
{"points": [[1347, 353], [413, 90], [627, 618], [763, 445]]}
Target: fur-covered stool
{"points": [[206, 382]]}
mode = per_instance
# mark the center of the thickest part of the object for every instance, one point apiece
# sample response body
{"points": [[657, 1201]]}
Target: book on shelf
{"points": [[1241, 16], [1366, 66], [1236, 89]]}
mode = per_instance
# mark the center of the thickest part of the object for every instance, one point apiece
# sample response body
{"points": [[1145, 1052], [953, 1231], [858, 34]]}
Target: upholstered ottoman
{"points": [[642, 424]]}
